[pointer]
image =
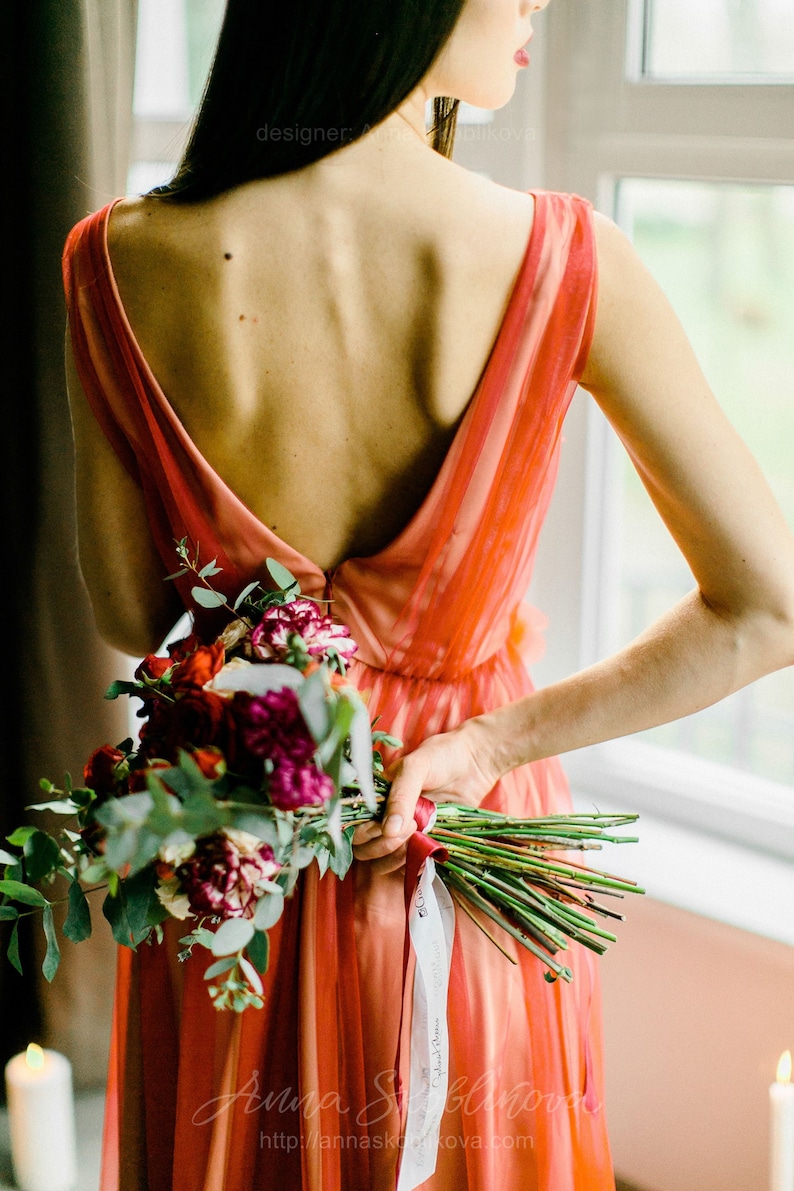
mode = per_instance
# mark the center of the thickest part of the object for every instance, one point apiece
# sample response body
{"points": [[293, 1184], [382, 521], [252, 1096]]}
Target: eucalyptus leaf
{"points": [[260, 825], [314, 705], [361, 751], [209, 568], [302, 857], [259, 951], [232, 935], [282, 578], [252, 974], [7, 858], [333, 826], [219, 967], [323, 857], [52, 957], [245, 593], [342, 855], [207, 598], [8, 913], [269, 909]]}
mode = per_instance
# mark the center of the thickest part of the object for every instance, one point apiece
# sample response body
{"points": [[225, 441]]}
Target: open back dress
{"points": [[299, 1095]]}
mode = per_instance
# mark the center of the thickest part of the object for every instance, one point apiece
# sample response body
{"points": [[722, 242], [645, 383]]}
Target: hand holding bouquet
{"points": [[256, 759]]}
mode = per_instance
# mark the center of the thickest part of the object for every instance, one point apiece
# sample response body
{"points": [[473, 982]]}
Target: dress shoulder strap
{"points": [[480, 554], [98, 339]]}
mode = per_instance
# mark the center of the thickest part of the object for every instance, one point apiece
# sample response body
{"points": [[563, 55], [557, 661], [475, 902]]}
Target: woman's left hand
{"points": [[455, 766]]}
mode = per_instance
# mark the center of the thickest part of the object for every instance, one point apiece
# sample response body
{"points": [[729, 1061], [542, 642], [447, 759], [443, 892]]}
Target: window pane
{"points": [[175, 43], [709, 38], [724, 254]]}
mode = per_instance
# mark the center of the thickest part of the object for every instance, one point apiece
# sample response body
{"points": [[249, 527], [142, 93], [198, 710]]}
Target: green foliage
{"points": [[269, 908], [135, 909], [13, 949], [42, 855], [52, 956], [259, 951], [20, 892], [232, 935], [77, 926], [207, 598], [282, 578], [120, 687], [20, 837]]}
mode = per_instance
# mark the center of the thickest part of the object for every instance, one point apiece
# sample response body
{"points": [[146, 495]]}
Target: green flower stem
{"points": [[545, 933], [469, 892]]}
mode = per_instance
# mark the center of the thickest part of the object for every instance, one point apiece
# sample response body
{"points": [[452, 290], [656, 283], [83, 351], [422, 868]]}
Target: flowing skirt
{"points": [[300, 1094]]}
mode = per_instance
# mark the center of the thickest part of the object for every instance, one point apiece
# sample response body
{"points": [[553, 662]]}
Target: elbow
{"points": [[767, 635], [781, 634]]}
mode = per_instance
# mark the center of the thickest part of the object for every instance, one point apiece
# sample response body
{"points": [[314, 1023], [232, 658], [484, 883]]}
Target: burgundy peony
{"points": [[272, 725], [319, 633], [225, 874], [291, 786], [99, 772]]}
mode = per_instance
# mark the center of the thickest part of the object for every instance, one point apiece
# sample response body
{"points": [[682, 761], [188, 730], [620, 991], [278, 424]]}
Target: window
{"points": [[678, 122], [175, 44], [176, 40], [728, 39]]}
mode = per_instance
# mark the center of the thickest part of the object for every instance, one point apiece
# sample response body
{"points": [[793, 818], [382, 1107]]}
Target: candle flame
{"points": [[784, 1067], [34, 1057]]}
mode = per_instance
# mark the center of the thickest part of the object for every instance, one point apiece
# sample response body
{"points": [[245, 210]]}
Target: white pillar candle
{"points": [[41, 1120], [781, 1101]]}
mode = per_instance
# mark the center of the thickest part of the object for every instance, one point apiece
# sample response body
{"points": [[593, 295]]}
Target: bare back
{"points": [[321, 334]]}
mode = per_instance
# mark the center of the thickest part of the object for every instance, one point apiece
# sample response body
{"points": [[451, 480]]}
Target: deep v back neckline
{"points": [[528, 265]]}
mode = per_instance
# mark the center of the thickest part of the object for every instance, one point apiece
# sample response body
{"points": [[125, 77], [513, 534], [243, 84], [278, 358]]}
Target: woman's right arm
{"points": [[734, 627]]}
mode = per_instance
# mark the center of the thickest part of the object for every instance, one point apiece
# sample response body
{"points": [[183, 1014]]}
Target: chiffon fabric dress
{"points": [[299, 1094]]}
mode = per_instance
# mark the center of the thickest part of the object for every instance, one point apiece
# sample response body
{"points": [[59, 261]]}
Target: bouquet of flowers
{"points": [[255, 759]]}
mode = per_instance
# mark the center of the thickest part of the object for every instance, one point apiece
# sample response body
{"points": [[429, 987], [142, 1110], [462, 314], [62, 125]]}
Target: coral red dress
{"points": [[299, 1095]]}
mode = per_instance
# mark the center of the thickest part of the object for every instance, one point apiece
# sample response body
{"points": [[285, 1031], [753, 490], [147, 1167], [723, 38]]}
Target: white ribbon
{"points": [[431, 925]]}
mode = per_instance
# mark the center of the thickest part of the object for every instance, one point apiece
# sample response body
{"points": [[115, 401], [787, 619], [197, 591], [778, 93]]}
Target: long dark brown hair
{"points": [[293, 80]]}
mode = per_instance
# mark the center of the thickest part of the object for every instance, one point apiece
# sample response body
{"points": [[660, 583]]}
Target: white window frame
{"points": [[606, 122]]}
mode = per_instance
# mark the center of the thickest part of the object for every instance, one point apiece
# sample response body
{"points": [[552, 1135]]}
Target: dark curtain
{"points": [[66, 71]]}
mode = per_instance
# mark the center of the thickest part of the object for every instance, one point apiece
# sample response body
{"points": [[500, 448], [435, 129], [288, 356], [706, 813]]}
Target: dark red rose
{"points": [[99, 772], [178, 650], [153, 667], [200, 718], [199, 667]]}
